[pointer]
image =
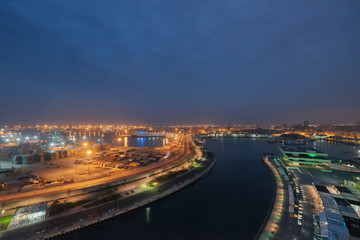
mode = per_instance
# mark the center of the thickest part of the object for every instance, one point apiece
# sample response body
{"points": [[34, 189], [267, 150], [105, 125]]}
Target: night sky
{"points": [[179, 61]]}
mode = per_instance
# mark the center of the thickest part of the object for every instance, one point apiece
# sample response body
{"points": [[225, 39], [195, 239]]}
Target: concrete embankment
{"points": [[271, 223], [262, 228], [172, 186]]}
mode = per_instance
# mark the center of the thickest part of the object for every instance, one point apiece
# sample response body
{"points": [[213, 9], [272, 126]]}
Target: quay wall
{"points": [[111, 215]]}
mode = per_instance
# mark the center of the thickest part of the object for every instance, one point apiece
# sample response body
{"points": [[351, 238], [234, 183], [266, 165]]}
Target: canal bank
{"points": [[112, 210], [261, 233], [279, 203], [282, 222]]}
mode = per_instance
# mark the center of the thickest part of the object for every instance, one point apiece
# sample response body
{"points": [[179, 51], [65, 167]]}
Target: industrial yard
{"points": [[73, 169]]}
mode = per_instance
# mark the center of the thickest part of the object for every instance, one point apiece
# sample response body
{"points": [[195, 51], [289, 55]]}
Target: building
{"points": [[28, 215], [329, 225], [303, 156], [341, 205]]}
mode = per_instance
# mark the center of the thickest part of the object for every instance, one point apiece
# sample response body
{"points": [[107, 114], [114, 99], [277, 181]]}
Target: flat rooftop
{"points": [[39, 207], [321, 188], [343, 189]]}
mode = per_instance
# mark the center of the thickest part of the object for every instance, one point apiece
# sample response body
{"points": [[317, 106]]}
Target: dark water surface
{"points": [[229, 203]]}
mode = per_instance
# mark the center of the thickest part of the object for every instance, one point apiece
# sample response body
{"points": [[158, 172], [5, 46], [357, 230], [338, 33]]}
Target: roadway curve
{"points": [[188, 151]]}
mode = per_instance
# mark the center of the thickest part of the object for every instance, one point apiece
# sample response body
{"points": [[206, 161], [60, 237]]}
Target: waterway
{"points": [[132, 141], [229, 203]]}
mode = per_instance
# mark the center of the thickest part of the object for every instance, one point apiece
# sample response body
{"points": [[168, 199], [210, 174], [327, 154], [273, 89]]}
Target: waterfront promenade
{"points": [[280, 224]]}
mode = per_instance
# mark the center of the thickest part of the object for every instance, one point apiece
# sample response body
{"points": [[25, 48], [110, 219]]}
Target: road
{"points": [[52, 192]]}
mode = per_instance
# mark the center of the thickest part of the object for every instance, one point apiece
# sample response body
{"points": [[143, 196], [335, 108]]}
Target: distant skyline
{"points": [[161, 62], [3, 124]]}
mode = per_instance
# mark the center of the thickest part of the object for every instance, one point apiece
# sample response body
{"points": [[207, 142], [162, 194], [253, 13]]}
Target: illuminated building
{"points": [[303, 156]]}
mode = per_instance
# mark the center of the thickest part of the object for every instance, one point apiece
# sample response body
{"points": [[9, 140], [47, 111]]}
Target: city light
{"points": [[60, 165]]}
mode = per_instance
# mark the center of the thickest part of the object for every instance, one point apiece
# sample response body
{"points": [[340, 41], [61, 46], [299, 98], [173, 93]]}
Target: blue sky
{"points": [[173, 62]]}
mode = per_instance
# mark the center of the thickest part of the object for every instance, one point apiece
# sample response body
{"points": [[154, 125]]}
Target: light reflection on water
{"points": [[132, 141], [229, 203], [148, 214]]}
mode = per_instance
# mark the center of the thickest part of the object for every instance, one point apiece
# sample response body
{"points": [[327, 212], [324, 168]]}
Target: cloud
{"points": [[174, 61]]}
